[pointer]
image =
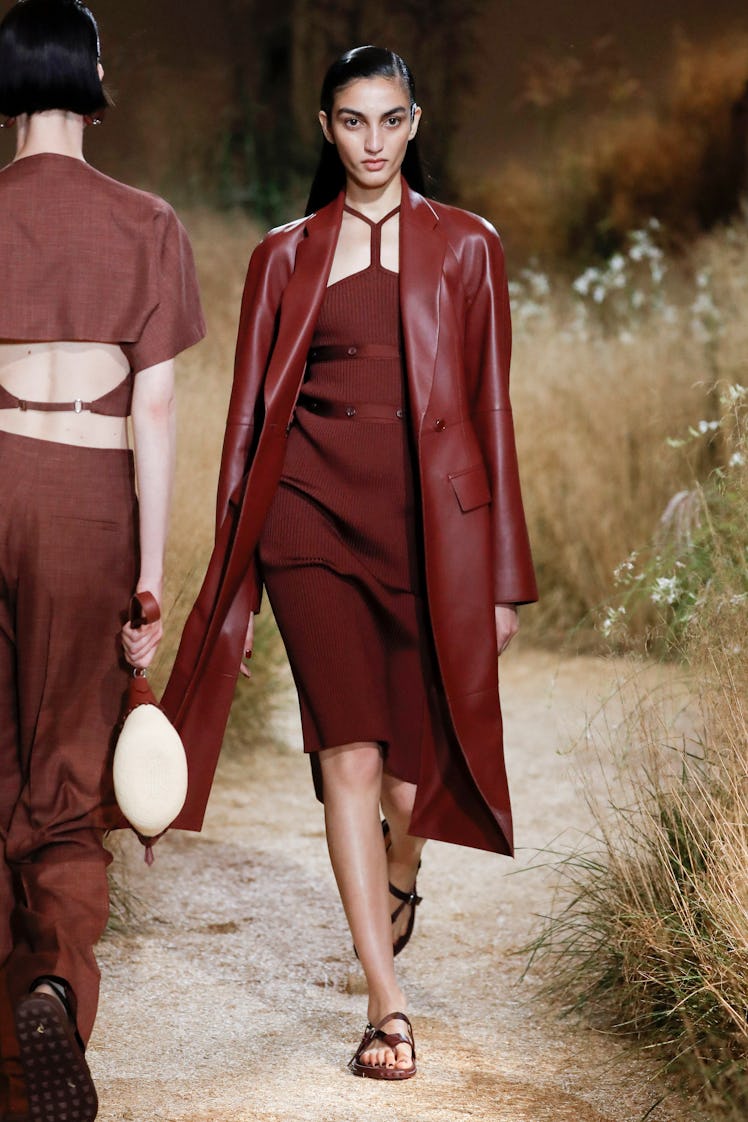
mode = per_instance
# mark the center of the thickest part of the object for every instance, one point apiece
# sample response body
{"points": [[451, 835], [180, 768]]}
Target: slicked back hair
{"points": [[361, 62]]}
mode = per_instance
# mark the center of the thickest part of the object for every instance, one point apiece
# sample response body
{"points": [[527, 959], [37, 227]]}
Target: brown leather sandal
{"points": [[373, 1033], [407, 898], [58, 1082]]}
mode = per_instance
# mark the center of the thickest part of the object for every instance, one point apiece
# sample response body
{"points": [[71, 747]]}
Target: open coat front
{"points": [[457, 340]]}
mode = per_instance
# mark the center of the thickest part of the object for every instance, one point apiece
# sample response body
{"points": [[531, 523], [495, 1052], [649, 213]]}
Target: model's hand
{"points": [[141, 643], [507, 625], [248, 645]]}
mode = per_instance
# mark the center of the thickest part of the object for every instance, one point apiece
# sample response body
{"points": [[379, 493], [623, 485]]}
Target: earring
{"points": [[8, 124], [93, 118]]}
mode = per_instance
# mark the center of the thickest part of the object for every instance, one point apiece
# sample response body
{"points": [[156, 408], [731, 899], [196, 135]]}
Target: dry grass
{"points": [[604, 396], [650, 932], [593, 419]]}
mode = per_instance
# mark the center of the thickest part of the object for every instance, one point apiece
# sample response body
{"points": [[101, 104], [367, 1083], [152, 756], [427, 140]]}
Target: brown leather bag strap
{"points": [[144, 609]]}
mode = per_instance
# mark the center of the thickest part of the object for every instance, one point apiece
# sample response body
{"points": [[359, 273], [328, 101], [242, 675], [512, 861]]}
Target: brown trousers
{"points": [[68, 555]]}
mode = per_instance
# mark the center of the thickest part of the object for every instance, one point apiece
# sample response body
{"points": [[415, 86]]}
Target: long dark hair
{"points": [[49, 51], [361, 62]]}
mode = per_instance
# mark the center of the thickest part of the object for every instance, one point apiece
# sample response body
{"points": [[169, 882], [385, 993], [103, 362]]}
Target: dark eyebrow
{"points": [[357, 113]]}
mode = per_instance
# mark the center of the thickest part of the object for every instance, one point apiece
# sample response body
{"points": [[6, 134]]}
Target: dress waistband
{"points": [[357, 350], [114, 403], [334, 411]]}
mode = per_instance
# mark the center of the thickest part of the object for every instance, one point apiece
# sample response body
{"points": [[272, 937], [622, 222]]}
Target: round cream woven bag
{"points": [[150, 766]]}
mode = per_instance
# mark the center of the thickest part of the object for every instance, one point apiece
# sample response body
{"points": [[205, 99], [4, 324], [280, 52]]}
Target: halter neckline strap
{"points": [[369, 221]]}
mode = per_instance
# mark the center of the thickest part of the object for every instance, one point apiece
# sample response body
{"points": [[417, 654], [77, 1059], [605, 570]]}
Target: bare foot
{"points": [[380, 1055]]}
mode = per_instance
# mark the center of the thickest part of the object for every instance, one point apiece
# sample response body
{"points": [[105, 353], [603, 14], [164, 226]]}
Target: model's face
{"points": [[370, 126]]}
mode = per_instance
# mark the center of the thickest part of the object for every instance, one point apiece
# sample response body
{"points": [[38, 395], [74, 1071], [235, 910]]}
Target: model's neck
{"points": [[374, 203], [54, 131]]}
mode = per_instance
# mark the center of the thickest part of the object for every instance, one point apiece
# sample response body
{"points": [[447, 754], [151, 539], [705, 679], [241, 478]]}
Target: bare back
{"points": [[63, 372]]}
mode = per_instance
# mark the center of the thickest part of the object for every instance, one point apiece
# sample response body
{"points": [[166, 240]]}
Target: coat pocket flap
{"points": [[471, 487]]}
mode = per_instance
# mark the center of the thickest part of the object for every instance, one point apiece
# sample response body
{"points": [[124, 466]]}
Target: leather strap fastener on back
{"points": [[114, 403], [332, 410], [76, 406]]}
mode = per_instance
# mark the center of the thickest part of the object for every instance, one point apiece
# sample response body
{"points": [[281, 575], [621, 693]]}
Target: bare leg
{"points": [[405, 851], [352, 778]]}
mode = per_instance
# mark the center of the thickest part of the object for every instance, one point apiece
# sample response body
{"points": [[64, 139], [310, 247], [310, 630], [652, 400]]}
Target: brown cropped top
{"points": [[85, 258]]}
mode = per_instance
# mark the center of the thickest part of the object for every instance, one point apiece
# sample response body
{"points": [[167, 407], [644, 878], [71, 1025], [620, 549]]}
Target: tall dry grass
{"points": [[609, 374], [649, 936]]}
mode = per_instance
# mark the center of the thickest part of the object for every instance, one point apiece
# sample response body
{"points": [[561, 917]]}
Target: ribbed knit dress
{"points": [[340, 549]]}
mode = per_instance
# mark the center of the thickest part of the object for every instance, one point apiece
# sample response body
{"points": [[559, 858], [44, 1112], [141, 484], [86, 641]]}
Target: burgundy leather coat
{"points": [[457, 340]]}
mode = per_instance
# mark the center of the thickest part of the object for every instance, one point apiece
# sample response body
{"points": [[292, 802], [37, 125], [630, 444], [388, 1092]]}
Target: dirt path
{"points": [[240, 998]]}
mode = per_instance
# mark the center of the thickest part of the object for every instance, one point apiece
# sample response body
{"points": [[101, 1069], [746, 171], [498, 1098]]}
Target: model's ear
{"points": [[415, 118], [325, 125], [100, 71]]}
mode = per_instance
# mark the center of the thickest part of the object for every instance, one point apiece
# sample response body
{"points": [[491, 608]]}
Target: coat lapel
{"points": [[300, 310], [422, 250]]}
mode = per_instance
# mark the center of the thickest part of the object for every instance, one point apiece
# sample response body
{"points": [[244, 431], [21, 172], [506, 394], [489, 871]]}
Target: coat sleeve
{"points": [[263, 289], [488, 345]]}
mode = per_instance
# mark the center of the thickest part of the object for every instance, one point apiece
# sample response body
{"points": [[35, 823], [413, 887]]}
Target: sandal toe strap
{"points": [[373, 1033], [392, 1039]]}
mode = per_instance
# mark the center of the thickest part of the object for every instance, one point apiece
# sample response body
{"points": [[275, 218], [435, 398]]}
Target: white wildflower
{"points": [[623, 571], [529, 309], [733, 394], [665, 590], [584, 282], [613, 617], [657, 271], [539, 284]]}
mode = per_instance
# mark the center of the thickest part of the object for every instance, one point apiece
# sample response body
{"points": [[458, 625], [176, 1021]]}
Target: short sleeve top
{"points": [[86, 258]]}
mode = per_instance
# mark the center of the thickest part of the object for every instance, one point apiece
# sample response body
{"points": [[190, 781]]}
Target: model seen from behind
{"points": [[99, 295]]}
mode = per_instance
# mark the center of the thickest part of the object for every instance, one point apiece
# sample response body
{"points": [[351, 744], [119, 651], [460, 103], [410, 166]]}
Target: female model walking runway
{"points": [[99, 295], [369, 481]]}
